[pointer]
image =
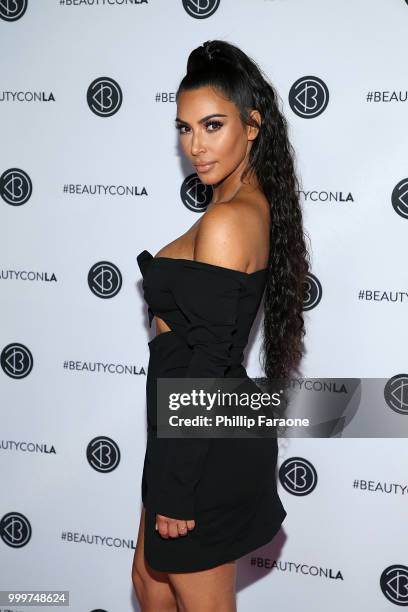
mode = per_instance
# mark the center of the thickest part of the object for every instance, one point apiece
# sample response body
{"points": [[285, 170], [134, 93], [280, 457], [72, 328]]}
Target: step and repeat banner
{"points": [[91, 174]]}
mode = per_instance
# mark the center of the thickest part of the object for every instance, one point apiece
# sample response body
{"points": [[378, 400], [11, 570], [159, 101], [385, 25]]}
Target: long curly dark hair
{"points": [[225, 67]]}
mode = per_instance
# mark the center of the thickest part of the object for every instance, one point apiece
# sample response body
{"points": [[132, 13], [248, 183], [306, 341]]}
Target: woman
{"points": [[206, 501]]}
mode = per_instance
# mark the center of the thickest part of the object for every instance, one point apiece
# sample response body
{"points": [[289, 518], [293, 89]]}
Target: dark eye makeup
{"points": [[216, 124]]}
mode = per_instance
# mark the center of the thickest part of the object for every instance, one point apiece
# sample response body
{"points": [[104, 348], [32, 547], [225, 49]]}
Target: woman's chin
{"points": [[206, 180]]}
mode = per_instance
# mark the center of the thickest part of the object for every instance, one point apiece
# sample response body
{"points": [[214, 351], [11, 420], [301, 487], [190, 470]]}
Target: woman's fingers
{"points": [[170, 527], [182, 527], [162, 526]]}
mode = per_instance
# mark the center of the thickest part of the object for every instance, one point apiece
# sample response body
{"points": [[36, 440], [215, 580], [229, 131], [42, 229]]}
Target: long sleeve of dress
{"points": [[208, 296]]}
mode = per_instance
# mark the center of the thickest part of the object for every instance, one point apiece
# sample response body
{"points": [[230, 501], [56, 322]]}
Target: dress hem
{"points": [[227, 558]]}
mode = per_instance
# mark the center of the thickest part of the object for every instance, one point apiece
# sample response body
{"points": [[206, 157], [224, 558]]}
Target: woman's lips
{"points": [[204, 167]]}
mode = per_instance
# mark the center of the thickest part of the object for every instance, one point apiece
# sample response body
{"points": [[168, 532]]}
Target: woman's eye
{"points": [[216, 125]]}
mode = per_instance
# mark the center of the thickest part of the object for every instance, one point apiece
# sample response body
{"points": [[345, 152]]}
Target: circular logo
{"points": [[396, 393], [11, 10], [394, 584], [399, 198], [16, 360], [15, 529], [308, 97], [298, 476], [103, 454], [15, 186], [105, 279], [312, 292], [201, 9], [195, 195], [104, 97]]}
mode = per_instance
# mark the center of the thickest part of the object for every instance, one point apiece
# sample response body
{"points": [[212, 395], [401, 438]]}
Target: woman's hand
{"points": [[171, 527]]}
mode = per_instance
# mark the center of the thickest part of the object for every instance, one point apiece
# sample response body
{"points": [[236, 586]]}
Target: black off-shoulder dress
{"points": [[227, 485]]}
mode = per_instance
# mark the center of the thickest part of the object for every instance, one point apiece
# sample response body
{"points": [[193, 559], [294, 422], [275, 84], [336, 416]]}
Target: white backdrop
{"points": [[90, 175]]}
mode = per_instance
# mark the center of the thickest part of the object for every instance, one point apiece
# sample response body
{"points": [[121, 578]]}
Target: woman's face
{"points": [[211, 134]]}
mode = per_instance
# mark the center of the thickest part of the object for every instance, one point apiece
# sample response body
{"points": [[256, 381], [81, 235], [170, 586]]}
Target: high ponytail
{"points": [[229, 70]]}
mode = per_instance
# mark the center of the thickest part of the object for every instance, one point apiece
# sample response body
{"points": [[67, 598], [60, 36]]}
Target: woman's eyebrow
{"points": [[177, 119]]}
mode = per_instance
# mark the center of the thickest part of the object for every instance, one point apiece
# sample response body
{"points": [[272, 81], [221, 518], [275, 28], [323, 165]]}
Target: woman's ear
{"points": [[252, 131]]}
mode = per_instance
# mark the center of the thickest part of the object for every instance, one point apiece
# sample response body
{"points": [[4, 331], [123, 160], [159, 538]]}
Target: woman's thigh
{"points": [[152, 587], [211, 590]]}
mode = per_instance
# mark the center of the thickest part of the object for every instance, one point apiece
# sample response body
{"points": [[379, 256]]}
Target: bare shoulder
{"points": [[229, 233]]}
